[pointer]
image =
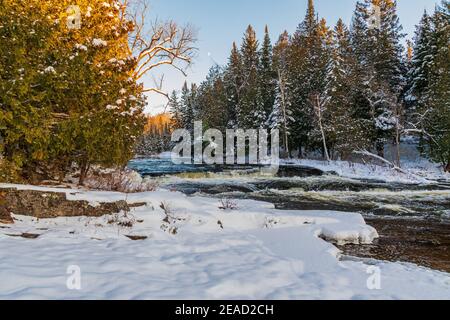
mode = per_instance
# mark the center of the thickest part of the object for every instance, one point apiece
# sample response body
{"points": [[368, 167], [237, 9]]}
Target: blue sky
{"points": [[220, 22]]}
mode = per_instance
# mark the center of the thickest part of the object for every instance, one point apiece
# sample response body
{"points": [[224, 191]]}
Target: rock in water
{"points": [[289, 171]]}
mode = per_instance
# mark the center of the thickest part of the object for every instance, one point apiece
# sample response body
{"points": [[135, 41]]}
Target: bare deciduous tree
{"points": [[157, 44]]}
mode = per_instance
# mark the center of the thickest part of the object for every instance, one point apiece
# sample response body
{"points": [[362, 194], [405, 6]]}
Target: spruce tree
{"points": [[307, 68], [281, 115], [300, 78], [267, 74], [380, 56], [422, 62], [212, 101], [436, 111], [176, 113], [345, 132], [251, 110], [187, 108], [233, 82]]}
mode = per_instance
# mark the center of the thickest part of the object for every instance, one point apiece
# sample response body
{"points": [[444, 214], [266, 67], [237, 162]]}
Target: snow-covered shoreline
{"points": [[195, 250], [421, 171], [416, 171]]}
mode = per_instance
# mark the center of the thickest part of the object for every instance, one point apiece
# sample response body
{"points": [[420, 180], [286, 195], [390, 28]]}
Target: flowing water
{"points": [[413, 220]]}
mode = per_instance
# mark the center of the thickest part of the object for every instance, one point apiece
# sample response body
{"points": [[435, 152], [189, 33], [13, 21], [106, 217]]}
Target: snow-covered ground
{"points": [[418, 171], [195, 250]]}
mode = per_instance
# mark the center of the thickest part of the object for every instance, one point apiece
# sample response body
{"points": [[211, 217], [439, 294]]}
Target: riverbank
{"points": [[199, 248], [413, 216]]}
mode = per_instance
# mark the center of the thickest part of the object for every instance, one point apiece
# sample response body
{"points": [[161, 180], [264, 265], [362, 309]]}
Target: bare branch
{"points": [[158, 44]]}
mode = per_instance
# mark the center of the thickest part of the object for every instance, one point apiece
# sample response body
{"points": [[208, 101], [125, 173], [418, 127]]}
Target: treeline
{"points": [[157, 136], [334, 90]]}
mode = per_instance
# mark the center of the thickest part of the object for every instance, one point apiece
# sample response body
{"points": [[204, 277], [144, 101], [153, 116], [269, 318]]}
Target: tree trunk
{"points": [[319, 115], [398, 133], [300, 151], [447, 168], [283, 102], [380, 149], [84, 169], [397, 145]]}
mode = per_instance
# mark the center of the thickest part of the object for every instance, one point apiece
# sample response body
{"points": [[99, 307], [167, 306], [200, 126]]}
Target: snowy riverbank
{"points": [[194, 249], [420, 171]]}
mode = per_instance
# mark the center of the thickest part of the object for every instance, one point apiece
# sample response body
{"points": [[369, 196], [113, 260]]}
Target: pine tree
{"points": [[233, 82], [380, 55], [281, 114], [300, 78], [188, 107], [212, 101], [361, 107], [345, 133], [308, 56], [176, 113], [267, 74], [423, 59], [251, 110], [436, 113]]}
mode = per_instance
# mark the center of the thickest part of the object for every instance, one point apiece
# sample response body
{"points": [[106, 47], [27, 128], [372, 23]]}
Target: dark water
{"points": [[423, 242], [160, 167], [413, 220]]}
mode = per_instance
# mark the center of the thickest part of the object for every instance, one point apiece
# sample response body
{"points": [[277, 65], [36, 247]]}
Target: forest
{"points": [[337, 91]]}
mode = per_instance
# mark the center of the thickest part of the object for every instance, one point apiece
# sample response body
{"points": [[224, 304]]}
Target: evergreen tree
{"points": [[380, 54], [251, 112], [281, 114], [300, 83], [71, 101], [233, 82], [212, 101], [436, 112], [345, 132], [176, 112], [187, 107], [307, 68], [267, 74], [422, 62]]}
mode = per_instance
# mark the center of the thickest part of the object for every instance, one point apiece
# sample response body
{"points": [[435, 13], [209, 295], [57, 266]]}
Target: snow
{"points": [[99, 43], [199, 251], [111, 107], [50, 69], [421, 171], [88, 12], [81, 47]]}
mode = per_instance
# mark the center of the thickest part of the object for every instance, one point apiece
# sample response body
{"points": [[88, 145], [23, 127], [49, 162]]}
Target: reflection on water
{"points": [[424, 243], [159, 167]]}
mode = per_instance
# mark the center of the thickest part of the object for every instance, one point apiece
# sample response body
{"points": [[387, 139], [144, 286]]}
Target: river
{"points": [[413, 220]]}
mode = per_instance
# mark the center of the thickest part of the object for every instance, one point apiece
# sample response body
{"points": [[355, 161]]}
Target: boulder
{"points": [[42, 204], [288, 171]]}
